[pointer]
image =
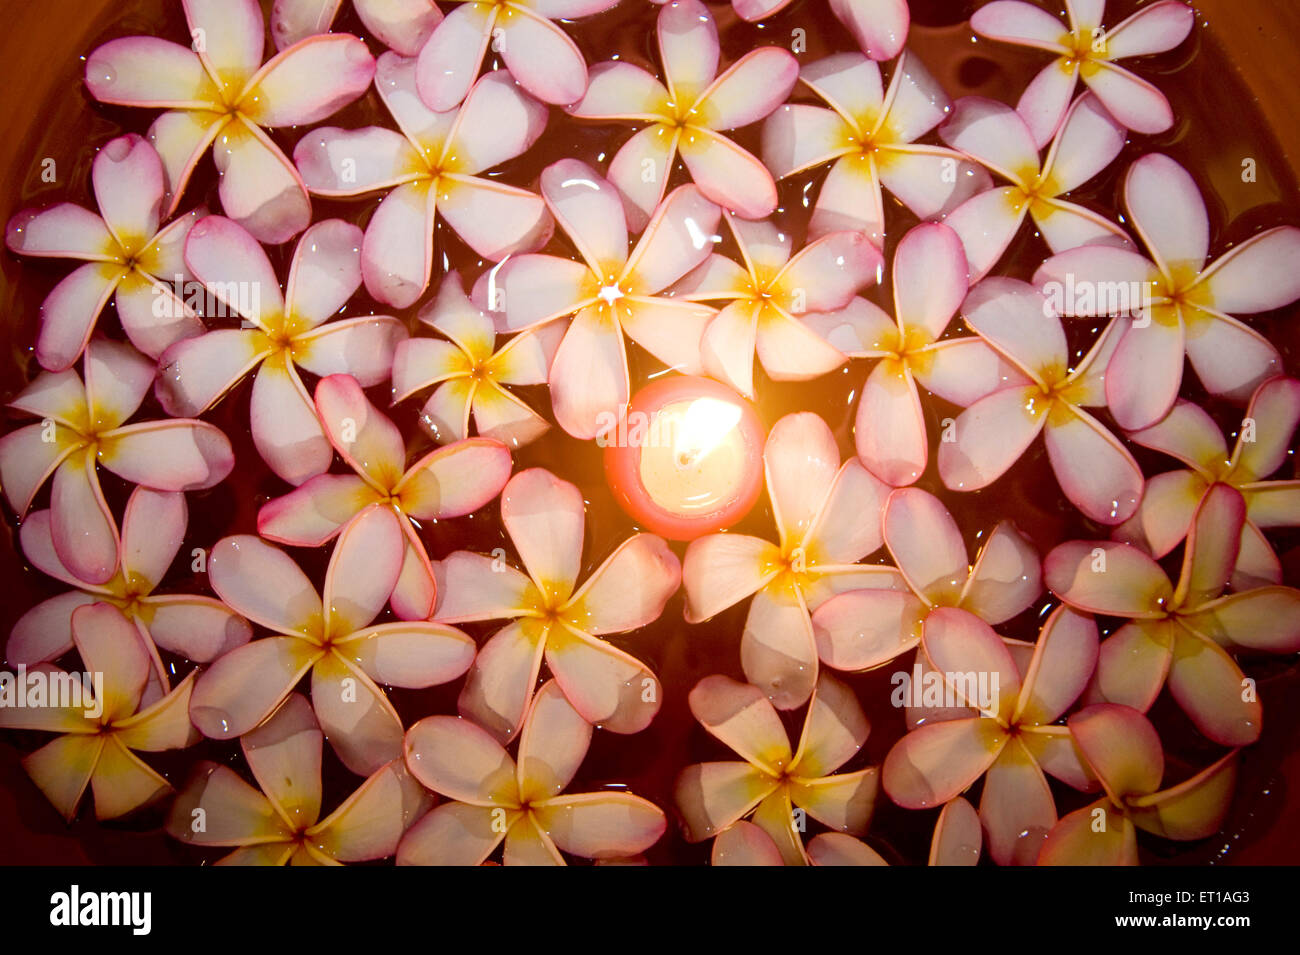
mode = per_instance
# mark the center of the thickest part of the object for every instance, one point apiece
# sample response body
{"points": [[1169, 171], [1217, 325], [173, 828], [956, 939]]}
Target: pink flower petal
{"points": [[935, 251], [326, 271], [629, 589], [544, 517], [284, 754], [26, 462], [865, 628], [778, 651], [1168, 212], [1121, 746], [728, 174], [226, 258], [608, 825], [70, 312], [260, 188], [129, 188], [1016, 807], [356, 717], [618, 90], [1207, 684], [798, 137], [149, 71], [532, 289], [369, 442], [459, 760], [182, 138], [1005, 578], [1195, 808], [996, 135], [1020, 23], [310, 81], [741, 717], [956, 641], [1230, 358], [925, 543], [801, 462], [542, 58], [501, 680], [834, 731], [848, 527], [922, 178], [641, 169], [496, 123], [1094, 469], [109, 645], [1107, 578], [744, 843], [590, 211], [232, 38], [245, 686], [688, 47], [1255, 275], [1212, 543], [370, 823], [452, 834], [1063, 661], [1275, 408], [494, 219], [450, 59], [1046, 99], [878, 26], [1076, 841], [986, 224], [404, 25], [589, 377], [1130, 99], [312, 514], [60, 231], [264, 584], [936, 762], [347, 162], [285, 428], [360, 347], [1089, 141], [712, 796], [85, 536], [827, 273], [45, 631], [721, 570], [198, 628], [362, 571], [552, 746], [790, 350], [474, 587], [964, 370], [671, 331], [957, 835], [1153, 29], [455, 480], [609, 688], [749, 89]]}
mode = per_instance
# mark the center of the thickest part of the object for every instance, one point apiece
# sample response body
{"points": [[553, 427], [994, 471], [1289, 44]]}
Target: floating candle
{"points": [[685, 458]]}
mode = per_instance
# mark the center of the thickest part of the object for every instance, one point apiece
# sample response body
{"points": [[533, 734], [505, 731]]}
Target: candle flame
{"points": [[704, 426]]}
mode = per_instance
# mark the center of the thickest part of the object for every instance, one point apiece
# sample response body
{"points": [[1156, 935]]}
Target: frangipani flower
{"points": [[281, 824], [99, 750], [929, 284], [281, 333], [519, 801], [1183, 305], [153, 529], [221, 93], [827, 518], [609, 292], [688, 115], [997, 136], [538, 54], [471, 372], [869, 133], [84, 424], [128, 255], [1123, 751], [431, 168], [554, 618], [1094, 469], [1087, 51], [745, 844], [1263, 445], [402, 25], [769, 296], [447, 482], [862, 629], [1010, 743], [330, 636], [771, 782], [1178, 634]]}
